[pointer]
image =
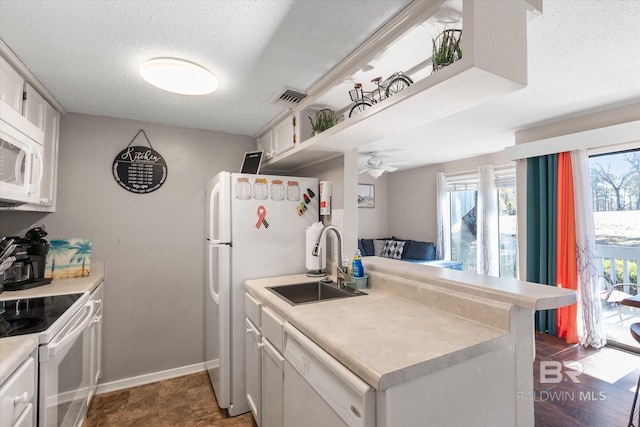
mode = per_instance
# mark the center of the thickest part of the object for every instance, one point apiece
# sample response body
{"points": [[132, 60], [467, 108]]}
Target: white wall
{"points": [[152, 243]]}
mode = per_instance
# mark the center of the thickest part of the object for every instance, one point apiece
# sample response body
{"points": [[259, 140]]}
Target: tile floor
{"points": [[186, 401]]}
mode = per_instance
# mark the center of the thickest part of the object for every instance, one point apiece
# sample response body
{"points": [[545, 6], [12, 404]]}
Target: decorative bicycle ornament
{"points": [[391, 85]]}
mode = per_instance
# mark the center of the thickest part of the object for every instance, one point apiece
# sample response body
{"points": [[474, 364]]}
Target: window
{"points": [[464, 242], [615, 188], [463, 194], [507, 223]]}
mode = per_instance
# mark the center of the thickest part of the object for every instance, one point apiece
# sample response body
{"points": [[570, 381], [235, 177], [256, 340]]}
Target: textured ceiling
{"points": [[583, 56], [87, 53]]}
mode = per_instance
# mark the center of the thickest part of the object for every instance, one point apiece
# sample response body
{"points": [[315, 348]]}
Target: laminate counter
{"points": [[422, 327]]}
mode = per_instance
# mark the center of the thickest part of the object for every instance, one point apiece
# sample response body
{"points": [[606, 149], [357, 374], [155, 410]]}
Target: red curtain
{"points": [[566, 257]]}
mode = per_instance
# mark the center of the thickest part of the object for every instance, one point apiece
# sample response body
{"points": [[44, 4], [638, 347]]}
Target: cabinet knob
{"points": [[23, 398], [249, 330]]}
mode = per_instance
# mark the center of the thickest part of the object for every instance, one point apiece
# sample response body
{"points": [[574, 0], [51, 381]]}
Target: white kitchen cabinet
{"points": [[95, 342], [29, 103], [272, 386], [34, 107], [18, 395], [11, 86], [253, 366], [264, 364], [272, 369], [48, 187], [284, 135], [264, 143]]}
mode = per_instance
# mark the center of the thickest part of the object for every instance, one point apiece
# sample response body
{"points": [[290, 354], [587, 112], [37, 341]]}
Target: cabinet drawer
{"points": [[252, 309], [272, 328], [16, 395]]}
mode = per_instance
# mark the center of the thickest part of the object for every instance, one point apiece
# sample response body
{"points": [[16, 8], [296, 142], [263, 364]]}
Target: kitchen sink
{"points": [[301, 293]]}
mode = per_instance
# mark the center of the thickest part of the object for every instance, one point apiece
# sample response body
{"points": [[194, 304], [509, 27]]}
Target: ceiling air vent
{"points": [[289, 97]]}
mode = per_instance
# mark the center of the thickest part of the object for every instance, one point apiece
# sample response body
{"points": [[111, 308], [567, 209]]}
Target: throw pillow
{"points": [[393, 249], [419, 250], [367, 244], [378, 246]]}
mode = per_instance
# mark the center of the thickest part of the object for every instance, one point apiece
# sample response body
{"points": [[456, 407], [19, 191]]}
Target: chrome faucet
{"points": [[340, 273]]}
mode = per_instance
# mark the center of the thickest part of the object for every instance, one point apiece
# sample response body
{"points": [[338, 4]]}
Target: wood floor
{"points": [[602, 398]]}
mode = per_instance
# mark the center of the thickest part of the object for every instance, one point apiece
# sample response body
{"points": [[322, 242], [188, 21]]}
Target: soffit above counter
{"points": [[492, 66]]}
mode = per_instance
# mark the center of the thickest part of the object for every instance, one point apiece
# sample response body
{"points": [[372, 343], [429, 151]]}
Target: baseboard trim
{"points": [[149, 378]]}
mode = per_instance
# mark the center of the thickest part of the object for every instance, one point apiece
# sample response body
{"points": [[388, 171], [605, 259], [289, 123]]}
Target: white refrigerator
{"points": [[256, 227]]}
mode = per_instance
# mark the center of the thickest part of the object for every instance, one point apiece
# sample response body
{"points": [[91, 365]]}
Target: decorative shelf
{"points": [[494, 63]]}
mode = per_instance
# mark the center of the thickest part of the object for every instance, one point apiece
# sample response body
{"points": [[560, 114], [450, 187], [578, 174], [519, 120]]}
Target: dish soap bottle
{"points": [[356, 265], [345, 266]]}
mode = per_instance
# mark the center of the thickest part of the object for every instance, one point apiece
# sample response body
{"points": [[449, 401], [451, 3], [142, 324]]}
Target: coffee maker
{"points": [[30, 253]]}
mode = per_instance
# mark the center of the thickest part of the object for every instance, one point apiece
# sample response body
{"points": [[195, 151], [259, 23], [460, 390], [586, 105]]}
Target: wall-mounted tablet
{"points": [[252, 162]]}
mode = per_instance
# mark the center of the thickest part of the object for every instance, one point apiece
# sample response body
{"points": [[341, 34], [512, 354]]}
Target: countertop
{"points": [[413, 321], [533, 296], [62, 286], [386, 339], [15, 350]]}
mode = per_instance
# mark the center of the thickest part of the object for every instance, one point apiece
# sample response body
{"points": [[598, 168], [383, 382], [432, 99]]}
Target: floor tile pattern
{"points": [[186, 401]]}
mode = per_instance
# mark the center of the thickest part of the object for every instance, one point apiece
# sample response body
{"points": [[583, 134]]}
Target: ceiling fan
{"points": [[376, 167]]}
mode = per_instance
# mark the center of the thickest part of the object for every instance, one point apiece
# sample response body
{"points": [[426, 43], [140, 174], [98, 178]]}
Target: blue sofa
{"points": [[414, 251]]}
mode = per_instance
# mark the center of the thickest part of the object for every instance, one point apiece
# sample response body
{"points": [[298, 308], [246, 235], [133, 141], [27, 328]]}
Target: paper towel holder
{"points": [[319, 272]]}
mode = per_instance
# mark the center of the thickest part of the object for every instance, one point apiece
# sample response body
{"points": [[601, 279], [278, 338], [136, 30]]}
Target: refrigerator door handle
{"points": [[218, 269], [219, 209], [214, 295]]}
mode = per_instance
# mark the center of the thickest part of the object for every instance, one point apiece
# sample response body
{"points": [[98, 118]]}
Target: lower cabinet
{"points": [[264, 364], [272, 386], [95, 343], [18, 395], [253, 365]]}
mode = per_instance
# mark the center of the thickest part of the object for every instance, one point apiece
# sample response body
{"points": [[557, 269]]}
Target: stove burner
{"points": [[32, 315], [22, 325]]}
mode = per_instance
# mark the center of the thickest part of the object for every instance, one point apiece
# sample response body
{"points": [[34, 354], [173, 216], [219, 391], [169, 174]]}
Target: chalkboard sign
{"points": [[139, 169]]}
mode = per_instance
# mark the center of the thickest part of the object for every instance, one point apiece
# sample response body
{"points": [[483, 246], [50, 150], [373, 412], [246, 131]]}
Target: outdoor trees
{"points": [[614, 187]]}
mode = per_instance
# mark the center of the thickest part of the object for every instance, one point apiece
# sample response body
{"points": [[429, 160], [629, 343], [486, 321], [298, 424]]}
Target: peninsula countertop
{"points": [[385, 339], [406, 328], [14, 350]]}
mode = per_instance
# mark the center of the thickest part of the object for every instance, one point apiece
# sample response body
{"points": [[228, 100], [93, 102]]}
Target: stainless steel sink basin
{"points": [[301, 293]]}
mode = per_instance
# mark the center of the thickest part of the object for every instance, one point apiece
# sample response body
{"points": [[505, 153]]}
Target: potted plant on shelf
{"points": [[323, 120], [447, 48]]}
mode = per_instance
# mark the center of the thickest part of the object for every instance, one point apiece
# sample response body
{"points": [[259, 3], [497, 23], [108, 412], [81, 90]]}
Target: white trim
{"points": [[604, 136], [149, 378]]}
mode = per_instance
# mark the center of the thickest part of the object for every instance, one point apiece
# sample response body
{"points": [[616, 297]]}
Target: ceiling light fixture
{"points": [[178, 76], [375, 172]]}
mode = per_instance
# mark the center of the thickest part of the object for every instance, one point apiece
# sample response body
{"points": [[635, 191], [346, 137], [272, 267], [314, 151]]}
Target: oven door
{"points": [[65, 372]]}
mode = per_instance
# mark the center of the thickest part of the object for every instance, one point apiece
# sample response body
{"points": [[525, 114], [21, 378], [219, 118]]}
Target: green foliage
{"points": [[633, 270], [447, 48], [323, 120]]}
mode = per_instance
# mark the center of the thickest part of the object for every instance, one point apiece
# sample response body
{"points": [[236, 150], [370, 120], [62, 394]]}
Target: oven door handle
{"points": [[83, 320]]}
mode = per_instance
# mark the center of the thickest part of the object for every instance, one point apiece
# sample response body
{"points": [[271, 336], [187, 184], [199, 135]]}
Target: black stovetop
{"points": [[32, 315]]}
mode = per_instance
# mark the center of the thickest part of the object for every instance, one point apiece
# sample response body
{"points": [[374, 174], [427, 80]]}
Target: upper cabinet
{"points": [[34, 107], [28, 108], [493, 64], [11, 86]]}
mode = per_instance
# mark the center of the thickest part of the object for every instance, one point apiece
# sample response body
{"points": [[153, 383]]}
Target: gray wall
{"points": [[152, 243], [374, 222], [412, 195]]}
